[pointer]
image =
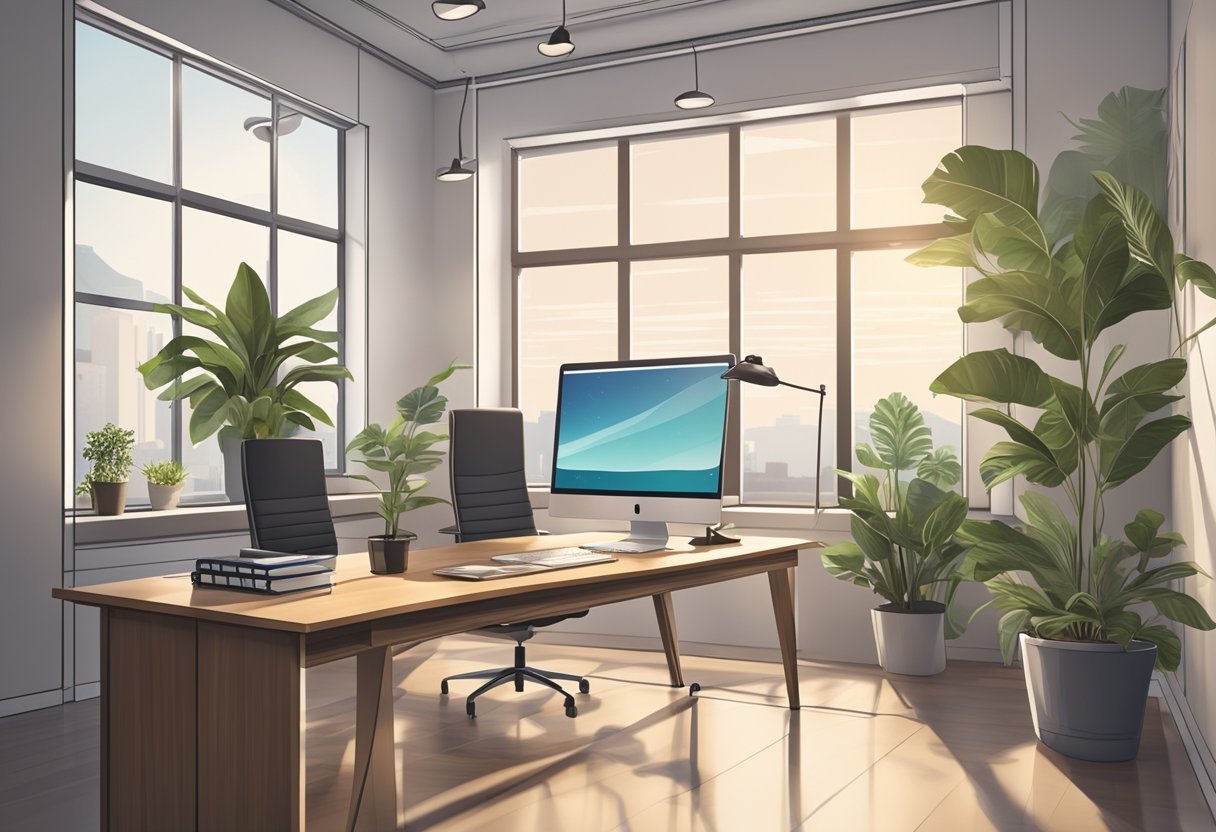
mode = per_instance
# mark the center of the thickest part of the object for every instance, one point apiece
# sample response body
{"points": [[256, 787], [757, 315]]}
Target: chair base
{"points": [[519, 673]]}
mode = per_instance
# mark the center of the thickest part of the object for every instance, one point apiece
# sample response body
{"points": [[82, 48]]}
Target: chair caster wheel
{"points": [[471, 710], [571, 711], [584, 686], [443, 688], [693, 688]]}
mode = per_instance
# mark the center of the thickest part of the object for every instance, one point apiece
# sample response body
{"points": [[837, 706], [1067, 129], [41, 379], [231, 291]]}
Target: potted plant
{"points": [[237, 385], [904, 548], [402, 452], [165, 481], [109, 451], [1088, 651]]}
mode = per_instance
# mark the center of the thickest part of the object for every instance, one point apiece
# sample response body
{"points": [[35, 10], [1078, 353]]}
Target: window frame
{"points": [[844, 240], [181, 198]]}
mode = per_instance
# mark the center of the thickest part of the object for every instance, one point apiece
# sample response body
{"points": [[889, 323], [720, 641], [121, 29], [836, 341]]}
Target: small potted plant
{"points": [[904, 547], [109, 451], [402, 452], [165, 481]]}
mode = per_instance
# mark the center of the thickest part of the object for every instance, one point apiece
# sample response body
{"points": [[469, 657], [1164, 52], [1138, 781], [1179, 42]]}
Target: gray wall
{"points": [[31, 339]]}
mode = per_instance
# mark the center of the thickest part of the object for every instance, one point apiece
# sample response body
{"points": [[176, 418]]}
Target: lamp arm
{"points": [[821, 390]]}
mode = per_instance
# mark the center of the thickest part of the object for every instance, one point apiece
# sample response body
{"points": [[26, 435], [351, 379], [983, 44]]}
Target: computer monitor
{"points": [[641, 441]]}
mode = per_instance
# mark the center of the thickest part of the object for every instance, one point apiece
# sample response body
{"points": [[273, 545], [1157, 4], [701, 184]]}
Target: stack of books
{"points": [[270, 574]]}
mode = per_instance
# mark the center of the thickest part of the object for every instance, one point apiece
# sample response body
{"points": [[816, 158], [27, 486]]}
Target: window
{"points": [[783, 238], [181, 174]]}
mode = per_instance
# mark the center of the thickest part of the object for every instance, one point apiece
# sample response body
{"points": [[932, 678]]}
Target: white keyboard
{"points": [[555, 558], [625, 547]]}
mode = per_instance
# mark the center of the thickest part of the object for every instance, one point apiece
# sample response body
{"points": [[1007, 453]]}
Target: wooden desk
{"points": [[202, 690]]}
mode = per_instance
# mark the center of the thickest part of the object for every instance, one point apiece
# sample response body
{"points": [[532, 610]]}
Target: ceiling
{"points": [[503, 38]]}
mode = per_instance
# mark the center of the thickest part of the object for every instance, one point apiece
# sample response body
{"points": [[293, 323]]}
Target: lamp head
{"points": [[456, 172], [694, 100], [752, 370], [558, 44], [457, 9]]}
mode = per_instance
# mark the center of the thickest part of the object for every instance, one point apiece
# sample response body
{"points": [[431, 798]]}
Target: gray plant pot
{"points": [[389, 555], [1087, 699], [164, 497], [234, 483], [109, 498], [911, 642]]}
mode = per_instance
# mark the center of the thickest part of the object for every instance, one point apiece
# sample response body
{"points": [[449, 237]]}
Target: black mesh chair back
{"points": [[489, 486], [285, 496]]}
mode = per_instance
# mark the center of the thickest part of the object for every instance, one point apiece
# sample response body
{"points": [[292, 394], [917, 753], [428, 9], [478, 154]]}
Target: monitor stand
{"points": [[644, 536]]}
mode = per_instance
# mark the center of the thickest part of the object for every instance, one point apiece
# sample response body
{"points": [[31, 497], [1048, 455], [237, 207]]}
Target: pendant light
{"points": [[559, 42], [694, 99], [457, 9], [259, 126], [457, 172]]}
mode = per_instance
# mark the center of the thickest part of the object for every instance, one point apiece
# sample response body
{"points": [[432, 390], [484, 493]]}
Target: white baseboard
{"points": [[78, 693], [30, 702], [1197, 749], [973, 654]]}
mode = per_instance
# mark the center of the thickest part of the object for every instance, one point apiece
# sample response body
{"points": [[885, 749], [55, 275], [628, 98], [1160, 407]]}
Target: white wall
{"points": [[1195, 454], [31, 340]]}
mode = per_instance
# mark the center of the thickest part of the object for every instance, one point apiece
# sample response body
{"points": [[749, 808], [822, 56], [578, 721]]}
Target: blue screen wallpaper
{"points": [[646, 429]]}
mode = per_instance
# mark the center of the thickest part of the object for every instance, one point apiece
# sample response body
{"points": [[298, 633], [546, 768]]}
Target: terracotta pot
{"points": [[164, 497], [389, 555], [109, 498], [911, 642]]}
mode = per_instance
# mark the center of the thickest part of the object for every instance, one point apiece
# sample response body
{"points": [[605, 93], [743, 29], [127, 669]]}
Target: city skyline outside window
{"points": [[783, 238], [176, 185]]}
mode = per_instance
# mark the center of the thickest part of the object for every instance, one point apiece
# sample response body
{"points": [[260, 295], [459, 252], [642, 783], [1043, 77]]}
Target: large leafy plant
{"points": [[240, 379], [405, 450], [1083, 433], [904, 547]]}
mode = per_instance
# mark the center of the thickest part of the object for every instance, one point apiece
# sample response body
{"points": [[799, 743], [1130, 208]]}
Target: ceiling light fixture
{"points": [[559, 42], [259, 126], [457, 9], [694, 99], [457, 172]]}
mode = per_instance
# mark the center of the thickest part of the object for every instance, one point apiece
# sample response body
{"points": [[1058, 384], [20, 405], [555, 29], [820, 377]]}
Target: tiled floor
{"points": [[866, 752]]}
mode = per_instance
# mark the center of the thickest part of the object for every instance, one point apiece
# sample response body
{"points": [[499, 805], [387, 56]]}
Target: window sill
{"points": [[187, 521]]}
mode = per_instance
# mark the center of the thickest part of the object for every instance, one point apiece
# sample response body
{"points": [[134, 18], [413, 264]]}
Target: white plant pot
{"points": [[1087, 699], [911, 643], [164, 497]]}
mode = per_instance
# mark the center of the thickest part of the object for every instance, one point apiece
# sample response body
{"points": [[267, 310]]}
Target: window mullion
{"points": [[623, 223], [176, 407], [844, 308]]}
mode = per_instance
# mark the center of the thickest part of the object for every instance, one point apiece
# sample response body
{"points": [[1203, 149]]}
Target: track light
{"points": [[559, 42], [457, 172], [694, 99], [457, 9]]}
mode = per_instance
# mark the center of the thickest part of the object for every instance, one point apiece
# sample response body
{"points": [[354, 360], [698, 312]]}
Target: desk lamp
{"points": [[753, 371]]}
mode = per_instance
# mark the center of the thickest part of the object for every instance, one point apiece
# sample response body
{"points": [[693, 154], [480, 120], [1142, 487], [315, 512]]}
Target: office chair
{"points": [[285, 496], [490, 499]]}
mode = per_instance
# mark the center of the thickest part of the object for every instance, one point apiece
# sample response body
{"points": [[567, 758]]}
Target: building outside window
{"points": [[782, 238], [182, 172]]}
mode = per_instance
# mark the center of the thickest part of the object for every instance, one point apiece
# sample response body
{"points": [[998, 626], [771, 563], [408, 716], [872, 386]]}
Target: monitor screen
{"points": [[641, 428]]}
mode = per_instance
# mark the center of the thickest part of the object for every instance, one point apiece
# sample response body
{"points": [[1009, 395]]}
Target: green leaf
{"points": [[1010, 245], [874, 542], [300, 419], [1148, 238], [1011, 625], [1006, 460], [976, 180], [310, 312], [868, 457], [248, 307], [1123, 458], [1070, 187], [1027, 302], [1142, 532], [443, 375], [1177, 606], [423, 405], [208, 415], [995, 377], [1189, 270], [181, 388], [941, 468], [1169, 646], [316, 372], [298, 401], [900, 435], [955, 252], [943, 522]]}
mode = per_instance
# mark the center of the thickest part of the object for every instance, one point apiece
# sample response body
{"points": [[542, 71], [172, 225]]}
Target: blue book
{"points": [[273, 565]]}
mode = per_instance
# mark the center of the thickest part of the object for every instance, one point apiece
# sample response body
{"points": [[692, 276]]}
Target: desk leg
{"points": [[250, 729], [781, 586], [373, 799], [147, 721], [671, 643]]}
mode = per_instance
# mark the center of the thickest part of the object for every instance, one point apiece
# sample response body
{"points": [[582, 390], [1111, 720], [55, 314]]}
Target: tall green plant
{"points": [[903, 546], [1085, 433], [238, 379], [403, 451]]}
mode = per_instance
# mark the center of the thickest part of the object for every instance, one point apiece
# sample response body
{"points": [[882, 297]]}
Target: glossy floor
{"points": [[867, 752]]}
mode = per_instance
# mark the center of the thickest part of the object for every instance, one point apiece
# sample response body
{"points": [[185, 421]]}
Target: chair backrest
{"points": [[285, 496], [489, 486]]}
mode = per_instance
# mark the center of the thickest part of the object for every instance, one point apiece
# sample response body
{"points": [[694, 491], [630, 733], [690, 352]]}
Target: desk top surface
{"points": [[359, 596]]}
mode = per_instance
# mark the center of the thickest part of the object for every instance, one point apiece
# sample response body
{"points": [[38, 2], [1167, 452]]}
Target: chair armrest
{"points": [[449, 530]]}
